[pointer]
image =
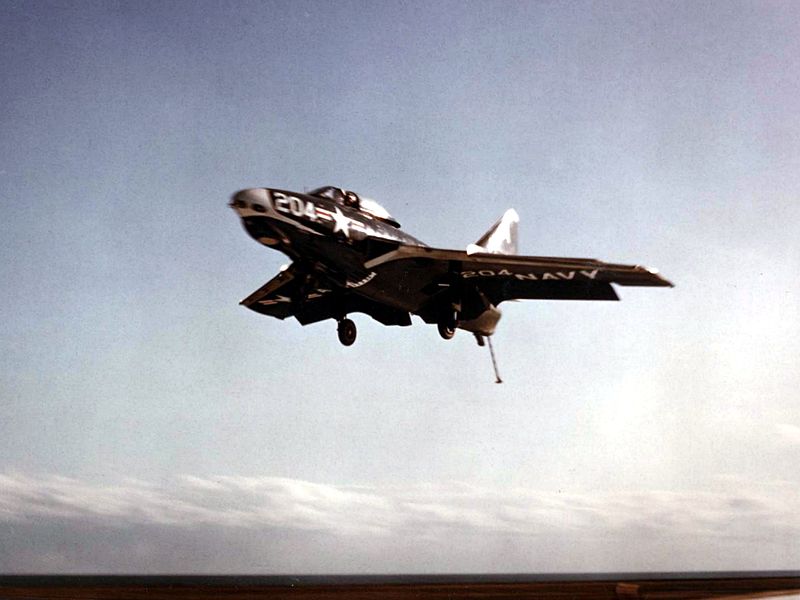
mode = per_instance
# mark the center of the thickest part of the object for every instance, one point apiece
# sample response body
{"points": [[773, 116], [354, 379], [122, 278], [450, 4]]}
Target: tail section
{"points": [[501, 238]]}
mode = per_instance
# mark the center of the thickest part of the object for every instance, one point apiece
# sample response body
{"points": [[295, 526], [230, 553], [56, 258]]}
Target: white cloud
{"points": [[734, 517], [347, 510], [788, 434]]}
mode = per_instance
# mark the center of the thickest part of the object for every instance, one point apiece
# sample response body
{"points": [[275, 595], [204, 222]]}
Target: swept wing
{"points": [[293, 293], [428, 276]]}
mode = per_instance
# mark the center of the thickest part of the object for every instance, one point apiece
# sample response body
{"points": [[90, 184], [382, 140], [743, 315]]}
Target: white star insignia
{"points": [[341, 223]]}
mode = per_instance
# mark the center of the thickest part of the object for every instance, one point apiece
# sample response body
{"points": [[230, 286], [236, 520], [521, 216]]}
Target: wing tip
{"points": [[657, 274]]}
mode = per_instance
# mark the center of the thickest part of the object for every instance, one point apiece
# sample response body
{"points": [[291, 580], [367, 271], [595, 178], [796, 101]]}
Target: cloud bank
{"points": [[788, 434], [273, 524]]}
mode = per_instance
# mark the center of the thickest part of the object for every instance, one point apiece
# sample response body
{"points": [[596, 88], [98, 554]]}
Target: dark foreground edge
{"points": [[598, 586]]}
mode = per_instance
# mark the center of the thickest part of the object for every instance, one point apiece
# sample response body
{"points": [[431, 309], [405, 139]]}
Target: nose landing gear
{"points": [[346, 331]]}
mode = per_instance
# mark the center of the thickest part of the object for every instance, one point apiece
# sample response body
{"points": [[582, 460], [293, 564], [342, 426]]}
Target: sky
{"points": [[148, 423]]}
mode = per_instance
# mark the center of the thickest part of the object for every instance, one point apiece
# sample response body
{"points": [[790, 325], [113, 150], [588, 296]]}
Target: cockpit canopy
{"points": [[353, 200]]}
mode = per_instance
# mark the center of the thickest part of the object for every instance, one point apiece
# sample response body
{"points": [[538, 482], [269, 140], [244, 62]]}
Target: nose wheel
{"points": [[346, 331]]}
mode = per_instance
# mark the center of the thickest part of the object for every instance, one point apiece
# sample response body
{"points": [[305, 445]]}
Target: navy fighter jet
{"points": [[349, 255]]}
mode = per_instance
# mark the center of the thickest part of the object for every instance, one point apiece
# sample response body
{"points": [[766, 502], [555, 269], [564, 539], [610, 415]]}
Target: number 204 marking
{"points": [[294, 206]]}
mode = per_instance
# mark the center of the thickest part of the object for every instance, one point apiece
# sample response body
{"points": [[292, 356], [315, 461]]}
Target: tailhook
{"points": [[482, 342]]}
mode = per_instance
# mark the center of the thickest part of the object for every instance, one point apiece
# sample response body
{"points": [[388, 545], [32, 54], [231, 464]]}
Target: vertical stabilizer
{"points": [[501, 238]]}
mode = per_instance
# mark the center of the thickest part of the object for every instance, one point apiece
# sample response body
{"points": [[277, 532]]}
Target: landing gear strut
{"points": [[346, 331]]}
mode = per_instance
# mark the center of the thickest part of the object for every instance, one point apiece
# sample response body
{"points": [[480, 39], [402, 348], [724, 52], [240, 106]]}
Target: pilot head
{"points": [[351, 199]]}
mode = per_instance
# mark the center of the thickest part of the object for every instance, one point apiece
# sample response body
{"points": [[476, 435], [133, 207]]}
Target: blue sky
{"points": [[666, 134]]}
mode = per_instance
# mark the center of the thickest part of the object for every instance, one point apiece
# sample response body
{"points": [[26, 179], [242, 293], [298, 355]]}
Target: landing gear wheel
{"points": [[447, 329], [347, 332]]}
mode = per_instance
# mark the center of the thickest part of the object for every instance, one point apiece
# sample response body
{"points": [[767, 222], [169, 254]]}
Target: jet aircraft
{"points": [[350, 255]]}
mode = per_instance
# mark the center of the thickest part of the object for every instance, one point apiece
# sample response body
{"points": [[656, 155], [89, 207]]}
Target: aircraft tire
{"points": [[447, 329], [347, 332]]}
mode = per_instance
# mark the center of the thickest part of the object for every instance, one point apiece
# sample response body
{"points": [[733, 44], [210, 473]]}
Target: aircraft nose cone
{"points": [[239, 199], [252, 198]]}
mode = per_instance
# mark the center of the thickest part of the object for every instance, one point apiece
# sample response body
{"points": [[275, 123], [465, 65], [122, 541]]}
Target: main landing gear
{"points": [[447, 327], [446, 330], [346, 331]]}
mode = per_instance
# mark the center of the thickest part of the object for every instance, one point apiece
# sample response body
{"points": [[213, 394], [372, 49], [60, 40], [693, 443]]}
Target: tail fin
{"points": [[501, 238]]}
